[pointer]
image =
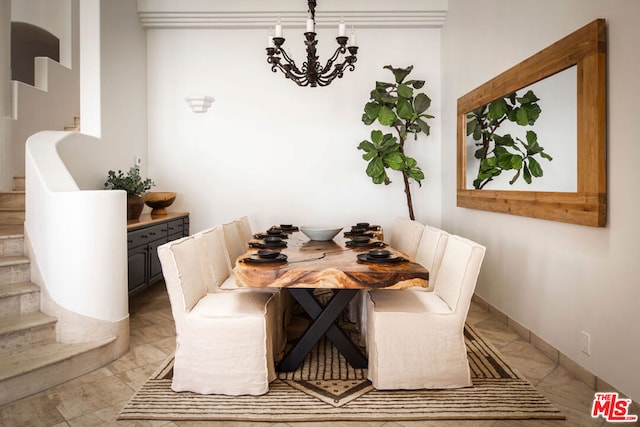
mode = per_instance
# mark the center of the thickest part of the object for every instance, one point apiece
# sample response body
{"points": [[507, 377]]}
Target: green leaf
{"points": [[399, 73], [424, 126], [421, 103], [546, 156], [535, 168], [497, 109], [386, 116], [376, 136], [383, 86], [533, 112], [372, 109], [516, 162], [380, 179], [375, 167], [366, 146], [506, 140], [411, 162], [522, 117], [480, 153], [528, 98], [376, 95], [402, 132], [526, 174], [471, 125], [387, 98], [405, 91], [395, 160], [366, 119], [404, 109], [417, 84], [504, 161], [416, 174], [370, 155]]}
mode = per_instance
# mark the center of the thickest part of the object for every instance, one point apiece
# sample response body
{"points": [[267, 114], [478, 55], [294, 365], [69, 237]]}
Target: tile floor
{"points": [[96, 398]]}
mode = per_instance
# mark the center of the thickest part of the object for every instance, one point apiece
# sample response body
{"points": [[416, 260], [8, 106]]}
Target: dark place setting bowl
{"points": [[272, 239], [268, 253], [379, 253], [360, 239]]}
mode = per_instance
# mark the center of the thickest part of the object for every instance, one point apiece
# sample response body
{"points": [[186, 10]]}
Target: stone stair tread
{"points": [[13, 260], [19, 363], [22, 322], [11, 230], [20, 288]]}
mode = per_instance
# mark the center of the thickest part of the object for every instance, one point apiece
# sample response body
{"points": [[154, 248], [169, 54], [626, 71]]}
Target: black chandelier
{"points": [[312, 73]]}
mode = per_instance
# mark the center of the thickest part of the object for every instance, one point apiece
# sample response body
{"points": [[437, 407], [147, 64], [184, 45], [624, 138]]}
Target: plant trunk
{"points": [[405, 178], [407, 192]]}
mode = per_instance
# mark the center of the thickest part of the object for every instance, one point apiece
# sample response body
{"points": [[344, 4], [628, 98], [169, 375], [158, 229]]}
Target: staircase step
{"points": [[14, 269], [11, 244], [11, 231], [24, 331], [45, 366], [75, 126], [18, 183], [12, 199], [19, 298], [11, 216]]}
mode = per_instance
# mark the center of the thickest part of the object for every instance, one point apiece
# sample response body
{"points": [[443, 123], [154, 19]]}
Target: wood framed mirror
{"points": [[586, 50]]}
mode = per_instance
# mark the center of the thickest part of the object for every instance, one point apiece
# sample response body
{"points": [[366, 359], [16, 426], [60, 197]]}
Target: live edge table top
{"points": [[332, 264]]}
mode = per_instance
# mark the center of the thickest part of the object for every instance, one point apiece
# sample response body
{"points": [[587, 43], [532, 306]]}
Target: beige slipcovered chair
{"points": [[430, 252], [218, 257], [245, 229], [223, 339], [234, 240], [406, 235], [416, 339]]}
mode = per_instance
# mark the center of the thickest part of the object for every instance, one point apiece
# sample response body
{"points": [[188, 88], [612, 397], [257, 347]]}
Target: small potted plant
{"points": [[134, 185]]}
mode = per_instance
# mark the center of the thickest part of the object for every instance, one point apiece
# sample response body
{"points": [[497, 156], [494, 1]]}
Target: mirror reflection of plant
{"points": [[396, 105], [506, 153]]}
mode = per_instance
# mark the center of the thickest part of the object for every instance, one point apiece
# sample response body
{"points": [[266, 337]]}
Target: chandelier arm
{"points": [[290, 61], [334, 57]]}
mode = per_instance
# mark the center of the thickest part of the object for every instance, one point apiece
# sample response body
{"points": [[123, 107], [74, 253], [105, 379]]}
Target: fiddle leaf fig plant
{"points": [[498, 153], [400, 107]]}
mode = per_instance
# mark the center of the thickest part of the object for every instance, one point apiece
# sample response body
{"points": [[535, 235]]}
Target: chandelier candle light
{"points": [[312, 73]]}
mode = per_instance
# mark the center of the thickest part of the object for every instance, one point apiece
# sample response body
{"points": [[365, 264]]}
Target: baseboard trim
{"points": [[580, 372]]}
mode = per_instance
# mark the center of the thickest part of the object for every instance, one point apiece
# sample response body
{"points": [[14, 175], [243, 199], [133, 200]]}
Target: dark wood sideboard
{"points": [[143, 238]]}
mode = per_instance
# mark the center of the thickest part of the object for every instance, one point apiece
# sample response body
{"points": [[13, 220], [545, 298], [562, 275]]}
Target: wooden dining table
{"points": [[332, 265]]}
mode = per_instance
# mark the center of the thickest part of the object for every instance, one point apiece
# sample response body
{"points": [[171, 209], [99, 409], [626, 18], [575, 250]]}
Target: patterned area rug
{"points": [[326, 388]]}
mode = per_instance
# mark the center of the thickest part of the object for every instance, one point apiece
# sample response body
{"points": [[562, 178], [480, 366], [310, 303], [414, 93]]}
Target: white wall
{"points": [[5, 78], [556, 279], [272, 150], [113, 82], [52, 15]]}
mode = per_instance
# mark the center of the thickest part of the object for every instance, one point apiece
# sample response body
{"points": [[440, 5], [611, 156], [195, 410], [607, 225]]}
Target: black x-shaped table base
{"points": [[323, 324]]}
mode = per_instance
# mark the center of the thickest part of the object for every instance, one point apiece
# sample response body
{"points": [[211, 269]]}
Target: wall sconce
{"points": [[199, 103]]}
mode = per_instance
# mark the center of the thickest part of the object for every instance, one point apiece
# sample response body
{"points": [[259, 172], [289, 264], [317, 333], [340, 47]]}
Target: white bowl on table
{"points": [[320, 234]]}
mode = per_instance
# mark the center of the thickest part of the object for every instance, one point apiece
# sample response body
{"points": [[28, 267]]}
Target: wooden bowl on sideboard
{"points": [[158, 201]]}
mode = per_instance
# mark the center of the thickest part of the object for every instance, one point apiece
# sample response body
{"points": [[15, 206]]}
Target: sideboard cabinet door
{"points": [[144, 267]]}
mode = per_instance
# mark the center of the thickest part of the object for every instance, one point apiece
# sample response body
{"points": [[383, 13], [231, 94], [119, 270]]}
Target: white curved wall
{"points": [[77, 237]]}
